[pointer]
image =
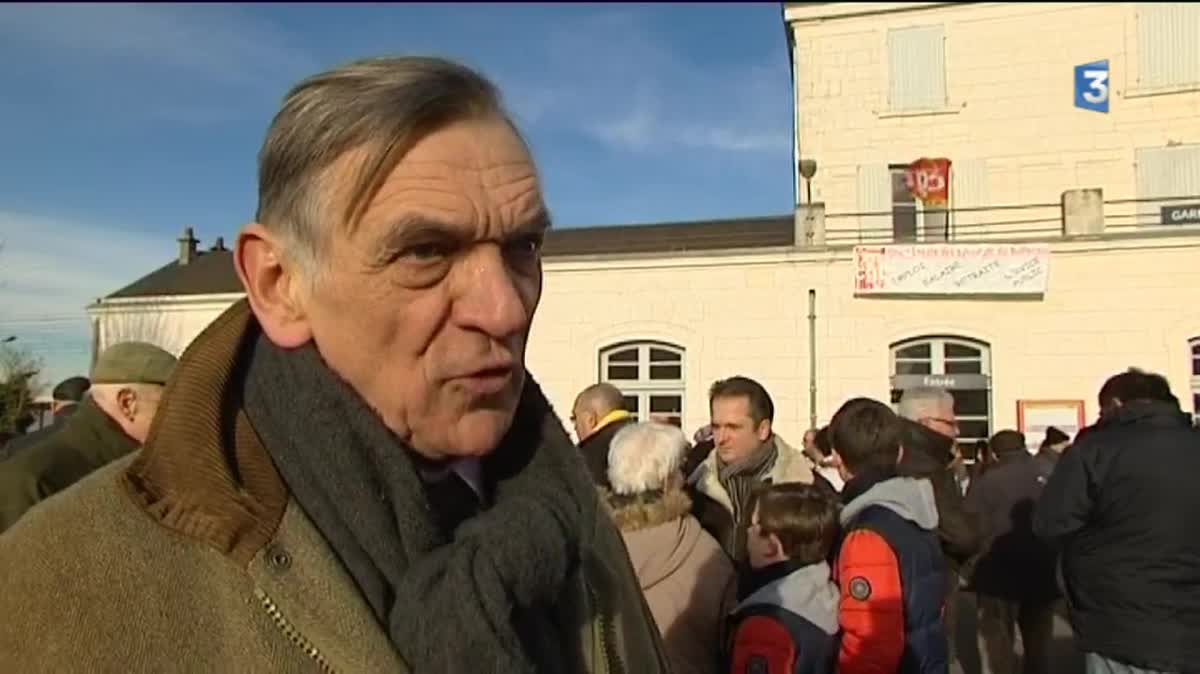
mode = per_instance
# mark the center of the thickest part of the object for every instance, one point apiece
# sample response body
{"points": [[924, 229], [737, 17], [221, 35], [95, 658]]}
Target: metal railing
{"points": [[1007, 222]]}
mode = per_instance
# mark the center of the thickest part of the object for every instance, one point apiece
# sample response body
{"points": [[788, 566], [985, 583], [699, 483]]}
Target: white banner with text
{"points": [[951, 269]]}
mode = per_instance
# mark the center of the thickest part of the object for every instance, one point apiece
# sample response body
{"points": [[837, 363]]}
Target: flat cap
{"points": [[133, 363]]}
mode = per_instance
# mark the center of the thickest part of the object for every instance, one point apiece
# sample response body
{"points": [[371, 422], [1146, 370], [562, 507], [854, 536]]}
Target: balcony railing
{"points": [[1080, 213]]}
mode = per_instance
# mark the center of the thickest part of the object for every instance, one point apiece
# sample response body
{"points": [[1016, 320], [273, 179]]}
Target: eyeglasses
{"points": [[952, 423]]}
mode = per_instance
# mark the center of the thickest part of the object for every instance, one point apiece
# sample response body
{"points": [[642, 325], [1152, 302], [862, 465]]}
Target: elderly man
{"points": [[930, 433], [127, 383], [598, 413], [748, 453], [352, 470], [689, 582], [65, 399]]}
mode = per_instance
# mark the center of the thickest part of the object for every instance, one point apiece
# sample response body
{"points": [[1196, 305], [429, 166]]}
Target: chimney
{"points": [[187, 247], [219, 244]]}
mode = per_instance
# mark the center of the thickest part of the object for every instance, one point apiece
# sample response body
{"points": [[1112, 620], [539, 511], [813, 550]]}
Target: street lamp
{"points": [[808, 169]]}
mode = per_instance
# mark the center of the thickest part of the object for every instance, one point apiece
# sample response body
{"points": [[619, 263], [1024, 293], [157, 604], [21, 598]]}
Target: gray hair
{"points": [[643, 456], [922, 402], [377, 107]]}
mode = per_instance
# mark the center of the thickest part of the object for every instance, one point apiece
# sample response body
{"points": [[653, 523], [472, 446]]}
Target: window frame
{"points": [[643, 387], [937, 367], [923, 229]]}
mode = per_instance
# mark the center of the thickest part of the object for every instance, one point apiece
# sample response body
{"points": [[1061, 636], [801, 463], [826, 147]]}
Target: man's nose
{"points": [[488, 298]]}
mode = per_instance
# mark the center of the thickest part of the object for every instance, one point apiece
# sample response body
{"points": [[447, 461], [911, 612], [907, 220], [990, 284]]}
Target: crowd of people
{"points": [[848, 555], [351, 469]]}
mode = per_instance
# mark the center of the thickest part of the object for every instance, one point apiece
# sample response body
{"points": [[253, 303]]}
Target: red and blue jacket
{"points": [[892, 577], [788, 623]]}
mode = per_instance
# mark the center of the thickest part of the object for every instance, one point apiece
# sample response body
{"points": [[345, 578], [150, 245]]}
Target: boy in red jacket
{"points": [[889, 564], [787, 619]]}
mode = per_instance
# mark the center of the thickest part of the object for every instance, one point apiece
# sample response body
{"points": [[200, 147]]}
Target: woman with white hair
{"points": [[688, 580]]}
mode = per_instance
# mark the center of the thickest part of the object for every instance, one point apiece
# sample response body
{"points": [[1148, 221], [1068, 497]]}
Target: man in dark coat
{"points": [[930, 431], [1014, 576], [1122, 505], [1051, 450], [598, 413], [66, 398], [113, 421]]}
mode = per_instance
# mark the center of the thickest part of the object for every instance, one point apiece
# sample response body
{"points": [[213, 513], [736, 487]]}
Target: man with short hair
{"points": [[352, 470], [127, 384], [930, 431], [65, 399], [891, 576], [1121, 505], [598, 414], [748, 453]]}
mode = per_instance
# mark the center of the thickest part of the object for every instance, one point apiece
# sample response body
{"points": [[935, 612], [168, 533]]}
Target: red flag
{"points": [[929, 180]]}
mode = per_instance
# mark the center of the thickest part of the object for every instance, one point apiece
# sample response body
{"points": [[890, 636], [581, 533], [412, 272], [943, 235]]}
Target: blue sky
{"points": [[120, 124]]}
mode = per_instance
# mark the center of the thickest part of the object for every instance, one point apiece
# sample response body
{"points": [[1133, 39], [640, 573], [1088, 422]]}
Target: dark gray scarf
{"points": [[741, 477], [475, 600]]}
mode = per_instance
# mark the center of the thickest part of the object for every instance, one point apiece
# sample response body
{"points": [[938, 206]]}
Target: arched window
{"points": [[1194, 343], [961, 366], [650, 374]]}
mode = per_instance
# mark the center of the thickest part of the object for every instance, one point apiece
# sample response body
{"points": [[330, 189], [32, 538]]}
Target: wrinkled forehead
{"points": [[475, 173]]}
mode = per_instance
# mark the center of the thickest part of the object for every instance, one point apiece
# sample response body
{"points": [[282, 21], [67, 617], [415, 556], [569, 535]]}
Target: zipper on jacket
{"points": [[608, 638], [292, 634]]}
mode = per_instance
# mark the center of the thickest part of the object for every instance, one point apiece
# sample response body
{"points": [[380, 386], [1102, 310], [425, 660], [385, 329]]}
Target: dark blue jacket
{"points": [[892, 576]]}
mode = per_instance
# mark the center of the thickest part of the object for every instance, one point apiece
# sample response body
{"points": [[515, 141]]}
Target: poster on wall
{"points": [[1035, 416], [951, 269], [929, 180]]}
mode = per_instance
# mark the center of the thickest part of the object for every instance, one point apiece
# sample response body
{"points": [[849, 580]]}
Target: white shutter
{"points": [[917, 68], [875, 198], [968, 189], [1168, 35], [1166, 173]]}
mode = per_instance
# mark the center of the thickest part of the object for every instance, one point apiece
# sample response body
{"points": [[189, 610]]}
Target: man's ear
{"points": [[764, 430], [127, 403], [271, 282], [774, 546]]}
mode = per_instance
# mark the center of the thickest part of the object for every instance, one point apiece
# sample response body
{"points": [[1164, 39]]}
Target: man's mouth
{"points": [[488, 380]]}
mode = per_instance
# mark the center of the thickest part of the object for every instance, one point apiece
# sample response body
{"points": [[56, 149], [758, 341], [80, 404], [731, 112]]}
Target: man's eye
{"points": [[426, 251], [527, 245]]}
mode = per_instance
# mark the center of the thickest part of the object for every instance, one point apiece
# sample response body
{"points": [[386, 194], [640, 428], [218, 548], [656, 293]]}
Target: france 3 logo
{"points": [[1091, 86]]}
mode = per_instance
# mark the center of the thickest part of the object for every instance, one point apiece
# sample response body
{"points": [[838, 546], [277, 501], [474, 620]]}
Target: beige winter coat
{"points": [[688, 580]]}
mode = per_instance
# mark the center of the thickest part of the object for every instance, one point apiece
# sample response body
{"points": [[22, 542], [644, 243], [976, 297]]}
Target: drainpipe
{"points": [[812, 358]]}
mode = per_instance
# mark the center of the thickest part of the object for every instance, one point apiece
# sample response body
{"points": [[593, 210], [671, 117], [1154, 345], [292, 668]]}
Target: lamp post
{"points": [[808, 169]]}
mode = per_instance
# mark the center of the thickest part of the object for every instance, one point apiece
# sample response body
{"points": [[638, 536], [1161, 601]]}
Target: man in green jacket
{"points": [[351, 470], [112, 421]]}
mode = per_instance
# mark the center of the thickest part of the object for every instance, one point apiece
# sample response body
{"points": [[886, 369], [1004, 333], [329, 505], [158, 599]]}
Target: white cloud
{"points": [[616, 81], [50, 269]]}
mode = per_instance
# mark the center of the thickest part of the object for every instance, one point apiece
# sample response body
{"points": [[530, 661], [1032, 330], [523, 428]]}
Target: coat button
{"points": [[278, 558]]}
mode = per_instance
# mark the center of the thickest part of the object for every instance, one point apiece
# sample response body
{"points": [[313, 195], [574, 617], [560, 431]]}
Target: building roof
{"points": [[671, 237], [211, 272]]}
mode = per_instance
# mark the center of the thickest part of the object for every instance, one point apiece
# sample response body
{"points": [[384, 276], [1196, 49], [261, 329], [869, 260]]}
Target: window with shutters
{"points": [[1168, 44], [650, 375], [916, 68], [888, 211], [1166, 176]]}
